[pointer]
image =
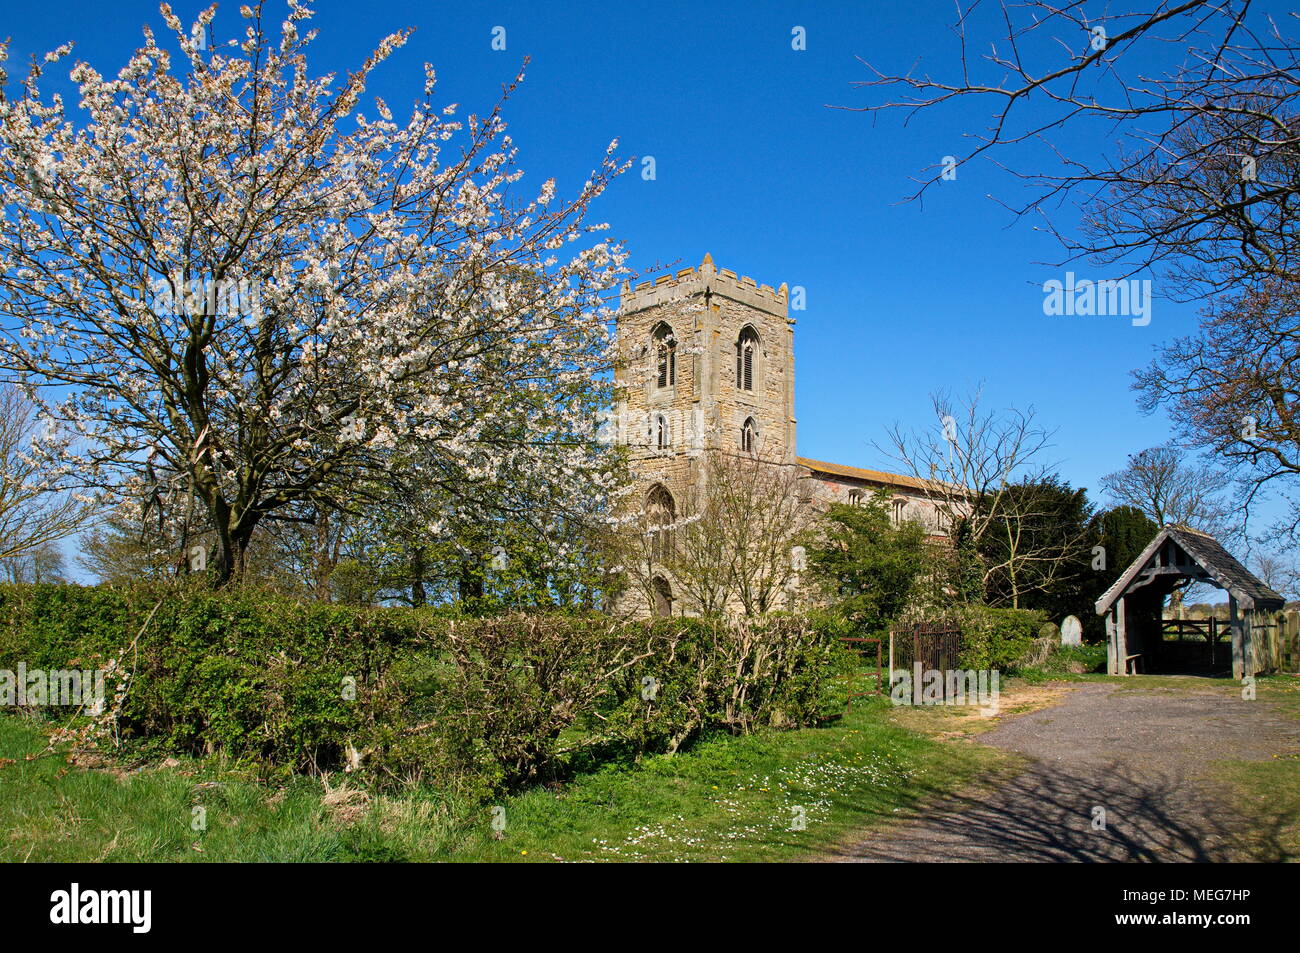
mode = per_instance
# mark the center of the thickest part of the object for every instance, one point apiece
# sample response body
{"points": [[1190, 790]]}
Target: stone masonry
{"points": [[706, 364]]}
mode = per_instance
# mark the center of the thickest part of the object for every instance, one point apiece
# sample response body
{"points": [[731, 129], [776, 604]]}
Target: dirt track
{"points": [[1143, 756]]}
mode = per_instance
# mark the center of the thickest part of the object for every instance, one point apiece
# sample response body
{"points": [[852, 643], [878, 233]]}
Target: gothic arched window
{"points": [[665, 352], [661, 513], [749, 436], [899, 507], [662, 435], [855, 497], [663, 597], [746, 357]]}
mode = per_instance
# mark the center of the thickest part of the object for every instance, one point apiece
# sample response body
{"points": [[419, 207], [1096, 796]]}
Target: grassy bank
{"points": [[1270, 790], [728, 798]]}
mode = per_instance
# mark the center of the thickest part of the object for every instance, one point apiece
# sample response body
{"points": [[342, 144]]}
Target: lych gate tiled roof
{"points": [[1219, 564]]}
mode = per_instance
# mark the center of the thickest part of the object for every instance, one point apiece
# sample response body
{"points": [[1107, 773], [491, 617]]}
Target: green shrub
{"points": [[243, 673], [413, 695], [997, 639], [867, 566], [690, 675], [1066, 662]]}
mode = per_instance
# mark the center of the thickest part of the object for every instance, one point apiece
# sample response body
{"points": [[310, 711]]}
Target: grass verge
{"points": [[1270, 790], [771, 797]]}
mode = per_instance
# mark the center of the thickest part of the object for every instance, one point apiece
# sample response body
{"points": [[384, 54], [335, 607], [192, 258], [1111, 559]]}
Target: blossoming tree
{"points": [[224, 265]]}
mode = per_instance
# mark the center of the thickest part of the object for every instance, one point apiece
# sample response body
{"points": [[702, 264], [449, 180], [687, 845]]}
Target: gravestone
{"points": [[1071, 631]]}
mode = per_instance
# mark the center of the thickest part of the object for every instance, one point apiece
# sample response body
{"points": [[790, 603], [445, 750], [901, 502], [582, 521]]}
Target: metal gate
{"points": [[936, 645], [860, 645]]}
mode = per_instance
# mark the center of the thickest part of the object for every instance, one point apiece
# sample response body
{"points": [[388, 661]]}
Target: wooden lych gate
{"points": [[1177, 557]]}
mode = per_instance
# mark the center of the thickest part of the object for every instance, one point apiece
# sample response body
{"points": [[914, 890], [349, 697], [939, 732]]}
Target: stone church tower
{"points": [[706, 361], [705, 365]]}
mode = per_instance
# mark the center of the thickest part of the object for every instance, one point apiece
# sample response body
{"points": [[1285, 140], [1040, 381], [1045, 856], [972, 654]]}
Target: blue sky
{"points": [[754, 167]]}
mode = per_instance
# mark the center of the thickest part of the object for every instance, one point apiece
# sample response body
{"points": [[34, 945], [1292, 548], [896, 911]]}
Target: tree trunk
{"points": [[321, 562], [227, 557], [471, 586], [418, 596], [232, 552]]}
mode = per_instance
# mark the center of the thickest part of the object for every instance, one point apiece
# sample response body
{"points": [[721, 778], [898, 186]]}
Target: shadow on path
{"points": [[1147, 777]]}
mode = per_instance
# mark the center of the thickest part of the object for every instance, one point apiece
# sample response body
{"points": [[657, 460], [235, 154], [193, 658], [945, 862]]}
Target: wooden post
{"points": [[1238, 640], [1293, 632], [1112, 667], [1291, 623], [1266, 645], [1249, 643], [1121, 636], [1275, 641]]}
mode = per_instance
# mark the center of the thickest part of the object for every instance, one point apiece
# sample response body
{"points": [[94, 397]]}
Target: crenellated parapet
{"points": [[706, 278]]}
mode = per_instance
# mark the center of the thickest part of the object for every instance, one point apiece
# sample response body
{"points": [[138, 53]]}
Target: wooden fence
{"points": [[1277, 641], [1275, 637]]}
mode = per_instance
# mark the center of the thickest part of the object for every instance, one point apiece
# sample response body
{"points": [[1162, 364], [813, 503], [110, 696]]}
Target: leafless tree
{"points": [[36, 508], [43, 564], [1275, 571], [983, 470], [1199, 98], [761, 509], [730, 543], [310, 542], [699, 559], [122, 547], [971, 454], [1036, 544], [1234, 390], [1162, 484], [639, 548]]}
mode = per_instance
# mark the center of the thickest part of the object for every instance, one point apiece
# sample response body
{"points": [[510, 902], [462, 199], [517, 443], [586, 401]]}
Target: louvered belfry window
{"points": [[665, 357], [746, 346]]}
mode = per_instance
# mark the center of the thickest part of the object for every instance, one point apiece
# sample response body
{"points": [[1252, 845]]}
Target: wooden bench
{"points": [[1132, 662]]}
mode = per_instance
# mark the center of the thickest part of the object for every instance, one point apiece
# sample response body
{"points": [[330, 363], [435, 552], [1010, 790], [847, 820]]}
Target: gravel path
{"points": [[1143, 756]]}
